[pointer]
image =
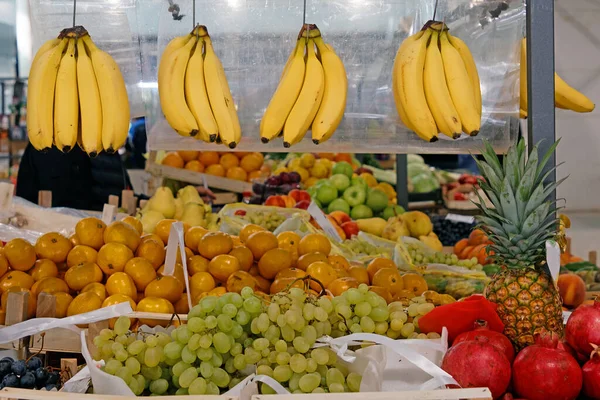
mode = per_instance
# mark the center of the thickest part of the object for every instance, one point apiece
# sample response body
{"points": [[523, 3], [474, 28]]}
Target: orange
{"points": [[49, 285], [15, 279], [261, 242], [254, 270], [20, 254], [136, 223], [229, 160], [52, 246], [177, 272], [415, 283], [79, 276], [208, 158], [118, 298], [379, 263], [215, 169], [237, 173], [314, 243], [155, 305], [307, 259], [340, 285], [244, 256], [43, 268], [359, 273], [31, 300], [97, 288], [343, 157], [239, 280], [81, 254], [120, 282], [182, 306], [338, 261], [84, 302], [254, 175], [189, 155], [163, 228], [290, 273], [322, 272], [213, 244], [390, 279], [273, 261], [262, 284], [90, 232], [188, 254], [251, 162], [222, 266], [383, 292], [121, 232], [150, 236], [63, 300], [4, 265], [193, 235], [112, 257], [195, 166], [152, 250], [248, 230], [340, 272], [460, 246], [289, 241], [173, 159], [279, 285], [166, 287], [201, 282], [197, 264], [74, 240], [141, 271], [403, 294]]}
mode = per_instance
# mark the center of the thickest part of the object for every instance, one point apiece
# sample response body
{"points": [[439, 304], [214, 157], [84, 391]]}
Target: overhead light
{"points": [[148, 85], [234, 3]]}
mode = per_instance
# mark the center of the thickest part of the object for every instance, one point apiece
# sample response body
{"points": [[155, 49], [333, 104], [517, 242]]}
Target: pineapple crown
{"points": [[523, 218]]}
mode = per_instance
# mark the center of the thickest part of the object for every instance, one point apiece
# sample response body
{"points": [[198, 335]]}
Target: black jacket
{"points": [[75, 179]]}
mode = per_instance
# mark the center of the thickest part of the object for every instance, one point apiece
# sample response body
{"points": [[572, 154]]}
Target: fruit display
{"points": [[268, 220], [311, 168], [475, 246], [239, 166], [311, 93], [28, 374], [565, 97], [187, 206], [275, 185], [450, 232], [76, 96], [436, 85], [414, 224], [194, 93], [294, 199], [421, 177]]}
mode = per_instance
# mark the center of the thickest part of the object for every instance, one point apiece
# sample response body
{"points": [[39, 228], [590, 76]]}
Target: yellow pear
{"points": [[432, 242], [163, 202], [189, 194], [374, 226], [395, 229], [178, 209], [149, 220], [193, 214], [418, 223]]}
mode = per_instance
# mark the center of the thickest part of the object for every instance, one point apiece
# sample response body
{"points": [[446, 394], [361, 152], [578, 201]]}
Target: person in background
{"points": [[136, 144]]}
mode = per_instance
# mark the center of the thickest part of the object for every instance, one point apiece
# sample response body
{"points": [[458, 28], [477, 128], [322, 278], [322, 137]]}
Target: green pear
{"points": [[149, 220], [193, 214], [163, 202], [189, 194], [178, 209]]}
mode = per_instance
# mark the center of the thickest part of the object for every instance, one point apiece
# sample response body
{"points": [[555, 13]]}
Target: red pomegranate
{"points": [[542, 371], [478, 364], [583, 328], [485, 334], [591, 376]]}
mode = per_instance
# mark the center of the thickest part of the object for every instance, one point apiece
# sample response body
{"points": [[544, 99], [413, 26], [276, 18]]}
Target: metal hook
{"points": [[74, 11], [193, 14], [435, 9], [304, 22]]}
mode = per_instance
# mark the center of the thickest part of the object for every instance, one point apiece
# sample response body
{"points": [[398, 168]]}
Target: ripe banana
{"points": [[411, 92], [66, 101], [197, 98], [467, 58], [40, 96], [436, 92], [308, 102], [113, 97], [396, 80], [90, 106], [221, 101], [460, 86], [332, 107], [285, 95]]}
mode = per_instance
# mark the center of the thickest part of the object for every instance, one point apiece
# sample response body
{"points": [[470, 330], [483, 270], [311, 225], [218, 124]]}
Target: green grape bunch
{"points": [[437, 257]]}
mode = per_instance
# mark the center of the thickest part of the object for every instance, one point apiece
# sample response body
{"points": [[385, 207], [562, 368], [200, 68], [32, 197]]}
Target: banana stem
{"points": [[309, 29]]}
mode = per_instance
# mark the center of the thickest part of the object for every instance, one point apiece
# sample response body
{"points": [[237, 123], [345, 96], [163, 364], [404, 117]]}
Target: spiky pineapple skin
{"points": [[528, 304]]}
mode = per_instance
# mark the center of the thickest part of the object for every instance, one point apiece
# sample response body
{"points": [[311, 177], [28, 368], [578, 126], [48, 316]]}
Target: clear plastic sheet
{"points": [[253, 39]]}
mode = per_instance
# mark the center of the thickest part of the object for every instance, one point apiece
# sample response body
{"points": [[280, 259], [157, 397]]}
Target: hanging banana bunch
{"points": [[311, 93], [194, 93], [67, 105], [565, 96], [436, 85]]}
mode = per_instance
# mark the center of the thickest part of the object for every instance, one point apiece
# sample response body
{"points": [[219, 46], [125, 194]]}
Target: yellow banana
{"points": [[44, 48], [175, 44], [221, 101], [460, 86], [396, 80], [66, 101], [285, 95], [40, 94], [197, 98], [523, 77], [90, 106], [567, 97], [436, 91], [113, 97], [467, 58], [308, 102], [411, 93], [333, 105]]}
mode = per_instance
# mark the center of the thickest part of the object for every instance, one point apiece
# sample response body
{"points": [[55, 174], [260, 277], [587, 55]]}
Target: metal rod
{"points": [[304, 15], [435, 10], [402, 180], [74, 11], [540, 79], [193, 14]]}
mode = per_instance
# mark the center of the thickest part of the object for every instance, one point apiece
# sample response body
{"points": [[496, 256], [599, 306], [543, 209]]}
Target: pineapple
{"points": [[519, 226]]}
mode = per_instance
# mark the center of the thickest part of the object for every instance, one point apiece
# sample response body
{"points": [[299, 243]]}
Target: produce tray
{"points": [[435, 195]]}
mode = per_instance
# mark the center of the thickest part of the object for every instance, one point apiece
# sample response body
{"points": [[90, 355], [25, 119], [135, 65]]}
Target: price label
{"points": [[323, 222], [460, 218]]}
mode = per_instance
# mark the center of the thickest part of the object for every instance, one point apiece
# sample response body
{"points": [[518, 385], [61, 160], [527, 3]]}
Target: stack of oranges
{"points": [[240, 166]]}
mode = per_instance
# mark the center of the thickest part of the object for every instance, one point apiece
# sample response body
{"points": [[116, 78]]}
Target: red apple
{"points": [[299, 195], [350, 228], [340, 217], [275, 201], [303, 204]]}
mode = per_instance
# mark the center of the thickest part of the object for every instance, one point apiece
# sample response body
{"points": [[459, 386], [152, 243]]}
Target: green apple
{"points": [[317, 202], [340, 181], [339, 205], [377, 200], [321, 182], [392, 211], [326, 194], [361, 211], [355, 195], [342, 167], [358, 181]]}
